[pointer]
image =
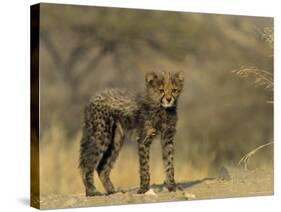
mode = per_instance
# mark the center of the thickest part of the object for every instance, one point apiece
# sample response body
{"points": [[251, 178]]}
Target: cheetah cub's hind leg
{"points": [[91, 153], [89, 157], [96, 140], [106, 163]]}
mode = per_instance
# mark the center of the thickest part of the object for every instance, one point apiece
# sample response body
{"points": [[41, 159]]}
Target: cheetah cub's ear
{"points": [[149, 77], [179, 75]]}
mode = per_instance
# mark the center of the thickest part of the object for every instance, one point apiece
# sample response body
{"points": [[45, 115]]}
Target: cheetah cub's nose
{"points": [[169, 99]]}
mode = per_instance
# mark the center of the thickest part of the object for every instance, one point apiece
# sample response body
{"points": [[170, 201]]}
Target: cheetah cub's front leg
{"points": [[144, 143], [150, 134], [167, 143]]}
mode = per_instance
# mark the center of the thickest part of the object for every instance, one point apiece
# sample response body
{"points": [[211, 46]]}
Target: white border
{"points": [[14, 93]]}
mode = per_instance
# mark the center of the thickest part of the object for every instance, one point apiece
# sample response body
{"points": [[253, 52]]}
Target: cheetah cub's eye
{"points": [[161, 90], [175, 90]]}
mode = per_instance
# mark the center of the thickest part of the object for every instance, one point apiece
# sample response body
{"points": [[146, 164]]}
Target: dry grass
{"points": [[261, 77], [59, 173], [267, 34], [246, 158]]}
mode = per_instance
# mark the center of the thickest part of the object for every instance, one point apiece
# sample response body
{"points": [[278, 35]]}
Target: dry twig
{"points": [[246, 158]]}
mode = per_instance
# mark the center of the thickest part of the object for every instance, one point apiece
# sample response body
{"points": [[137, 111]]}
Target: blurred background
{"points": [[225, 111]]}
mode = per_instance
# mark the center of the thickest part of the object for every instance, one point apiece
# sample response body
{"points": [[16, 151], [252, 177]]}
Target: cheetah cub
{"points": [[112, 113]]}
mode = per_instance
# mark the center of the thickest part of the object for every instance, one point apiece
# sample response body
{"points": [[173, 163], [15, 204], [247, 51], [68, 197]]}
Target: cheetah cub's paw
{"points": [[172, 187], [142, 190], [91, 193]]}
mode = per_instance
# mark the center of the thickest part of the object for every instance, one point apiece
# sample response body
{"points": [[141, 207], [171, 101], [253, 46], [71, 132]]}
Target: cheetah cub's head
{"points": [[164, 87]]}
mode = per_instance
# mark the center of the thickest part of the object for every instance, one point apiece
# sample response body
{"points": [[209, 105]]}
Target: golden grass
{"points": [[246, 158], [59, 173], [262, 77]]}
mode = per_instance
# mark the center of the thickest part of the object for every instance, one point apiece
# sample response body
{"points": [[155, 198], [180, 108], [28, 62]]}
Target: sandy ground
{"points": [[229, 182]]}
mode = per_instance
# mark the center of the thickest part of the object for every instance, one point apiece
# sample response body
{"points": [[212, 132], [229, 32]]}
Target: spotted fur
{"points": [[112, 113]]}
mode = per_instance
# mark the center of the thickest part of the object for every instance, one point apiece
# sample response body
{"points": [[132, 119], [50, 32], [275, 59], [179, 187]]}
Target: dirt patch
{"points": [[239, 183]]}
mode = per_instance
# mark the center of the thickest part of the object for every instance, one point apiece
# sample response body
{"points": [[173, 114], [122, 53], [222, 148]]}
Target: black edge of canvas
{"points": [[34, 113]]}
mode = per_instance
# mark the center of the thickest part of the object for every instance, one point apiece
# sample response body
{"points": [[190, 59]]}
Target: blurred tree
{"points": [[86, 49]]}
